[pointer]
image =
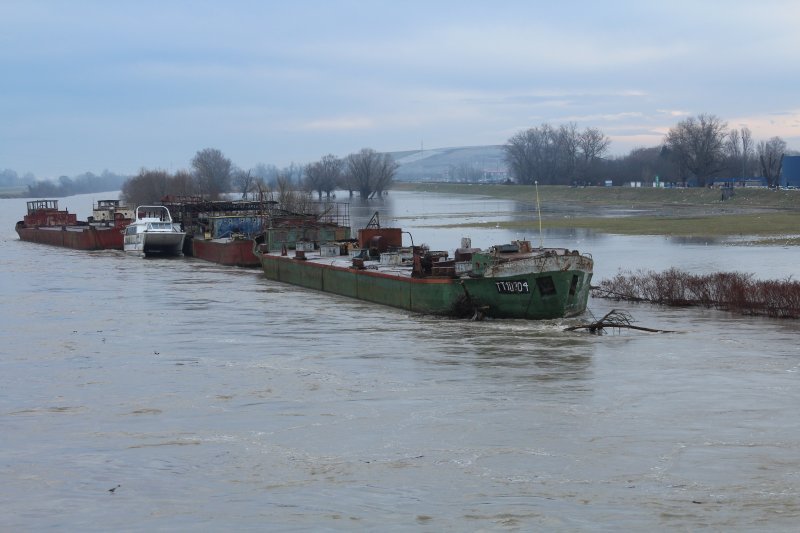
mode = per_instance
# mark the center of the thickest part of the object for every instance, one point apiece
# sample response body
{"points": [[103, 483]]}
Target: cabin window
{"points": [[573, 286], [130, 230], [546, 285]]}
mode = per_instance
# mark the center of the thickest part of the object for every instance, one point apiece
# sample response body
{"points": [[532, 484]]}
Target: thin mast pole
{"points": [[539, 212]]}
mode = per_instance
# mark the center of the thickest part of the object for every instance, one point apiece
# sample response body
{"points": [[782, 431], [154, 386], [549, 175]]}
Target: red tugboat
{"points": [[45, 223]]}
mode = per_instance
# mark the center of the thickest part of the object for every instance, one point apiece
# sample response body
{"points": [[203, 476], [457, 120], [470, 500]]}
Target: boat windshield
{"points": [[160, 225]]}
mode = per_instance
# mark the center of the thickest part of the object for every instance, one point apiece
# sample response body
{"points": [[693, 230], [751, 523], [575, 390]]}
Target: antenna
{"points": [[539, 212]]}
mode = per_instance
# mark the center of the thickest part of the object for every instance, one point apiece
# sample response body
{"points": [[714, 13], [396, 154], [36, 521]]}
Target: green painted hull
{"points": [[521, 297]]}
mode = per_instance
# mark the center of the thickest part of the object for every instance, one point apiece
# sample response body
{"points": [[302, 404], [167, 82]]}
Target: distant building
{"points": [[495, 175], [790, 172], [722, 183]]}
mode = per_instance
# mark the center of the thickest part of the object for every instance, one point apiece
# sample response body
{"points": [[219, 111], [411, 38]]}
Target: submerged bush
{"points": [[731, 291]]}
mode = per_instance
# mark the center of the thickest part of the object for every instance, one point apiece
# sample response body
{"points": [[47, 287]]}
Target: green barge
{"points": [[505, 281]]}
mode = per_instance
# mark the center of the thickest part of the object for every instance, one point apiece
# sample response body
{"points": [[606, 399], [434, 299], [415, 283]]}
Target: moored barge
{"points": [[222, 231], [45, 223], [511, 280]]}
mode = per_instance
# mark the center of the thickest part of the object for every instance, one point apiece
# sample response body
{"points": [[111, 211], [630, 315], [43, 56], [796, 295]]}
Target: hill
{"points": [[469, 163]]}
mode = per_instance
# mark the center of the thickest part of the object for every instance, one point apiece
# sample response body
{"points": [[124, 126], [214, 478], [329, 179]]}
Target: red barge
{"points": [[223, 231], [45, 223]]}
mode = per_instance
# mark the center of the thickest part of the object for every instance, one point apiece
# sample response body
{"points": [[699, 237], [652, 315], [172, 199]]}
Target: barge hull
{"points": [[559, 294], [77, 238], [230, 253]]}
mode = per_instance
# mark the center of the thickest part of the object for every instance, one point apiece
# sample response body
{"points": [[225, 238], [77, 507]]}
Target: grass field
{"points": [[765, 215]]}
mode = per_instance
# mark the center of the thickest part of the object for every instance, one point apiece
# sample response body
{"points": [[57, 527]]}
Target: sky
{"points": [[88, 86]]}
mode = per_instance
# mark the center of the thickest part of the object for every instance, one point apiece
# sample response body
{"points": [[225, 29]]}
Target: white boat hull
{"points": [[153, 233], [155, 243]]}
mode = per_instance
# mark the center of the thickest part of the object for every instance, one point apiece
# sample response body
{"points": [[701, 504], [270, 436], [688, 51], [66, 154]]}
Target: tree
{"points": [[698, 145], [770, 157], [465, 172], [369, 172], [152, 186], [641, 164], [147, 187], [324, 175], [567, 145], [212, 171], [289, 199], [267, 174], [8, 177], [592, 144], [747, 152], [739, 149], [549, 156], [293, 173], [182, 183], [527, 155], [243, 181]]}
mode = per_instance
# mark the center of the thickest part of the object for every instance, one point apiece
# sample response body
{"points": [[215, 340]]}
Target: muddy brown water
{"points": [[210, 398]]}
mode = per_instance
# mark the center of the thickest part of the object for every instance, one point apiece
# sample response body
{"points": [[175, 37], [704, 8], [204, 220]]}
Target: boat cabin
{"points": [[46, 213]]}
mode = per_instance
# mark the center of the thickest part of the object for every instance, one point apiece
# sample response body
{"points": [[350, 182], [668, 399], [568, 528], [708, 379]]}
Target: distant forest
{"points": [[64, 186]]}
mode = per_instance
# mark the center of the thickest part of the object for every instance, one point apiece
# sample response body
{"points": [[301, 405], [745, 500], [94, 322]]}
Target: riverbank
{"points": [[755, 215]]}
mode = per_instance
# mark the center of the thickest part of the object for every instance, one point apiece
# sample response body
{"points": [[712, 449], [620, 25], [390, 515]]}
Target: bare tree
{"points": [[243, 181], [568, 144], [747, 152], [739, 148], [8, 177], [385, 170], [548, 155], [733, 144], [520, 156], [530, 155], [288, 197], [147, 187], [268, 174], [369, 172], [465, 172], [212, 170], [770, 157], [324, 175], [293, 173], [182, 184], [593, 144], [152, 186], [698, 145]]}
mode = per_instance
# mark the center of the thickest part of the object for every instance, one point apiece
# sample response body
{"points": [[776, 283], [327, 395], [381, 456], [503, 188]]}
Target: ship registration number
{"points": [[512, 287]]}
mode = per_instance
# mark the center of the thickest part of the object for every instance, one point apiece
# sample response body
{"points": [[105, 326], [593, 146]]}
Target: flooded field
{"points": [[142, 394]]}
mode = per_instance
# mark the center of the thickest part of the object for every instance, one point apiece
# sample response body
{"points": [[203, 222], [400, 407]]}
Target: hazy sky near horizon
{"points": [[125, 85]]}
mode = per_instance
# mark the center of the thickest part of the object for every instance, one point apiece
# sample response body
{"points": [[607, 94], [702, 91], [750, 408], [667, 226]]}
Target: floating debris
{"points": [[615, 318]]}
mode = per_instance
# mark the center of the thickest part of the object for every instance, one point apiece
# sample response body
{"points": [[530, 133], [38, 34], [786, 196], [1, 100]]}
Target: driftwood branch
{"points": [[614, 319]]}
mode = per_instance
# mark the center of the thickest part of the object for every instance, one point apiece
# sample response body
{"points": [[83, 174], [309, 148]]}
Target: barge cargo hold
{"points": [[45, 223], [229, 251], [222, 231], [506, 281]]}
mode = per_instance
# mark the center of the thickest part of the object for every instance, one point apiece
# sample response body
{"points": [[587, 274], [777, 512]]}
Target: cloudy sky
{"points": [[122, 85]]}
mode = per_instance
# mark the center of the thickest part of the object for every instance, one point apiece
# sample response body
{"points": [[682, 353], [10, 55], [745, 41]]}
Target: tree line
{"points": [[366, 172], [696, 150], [81, 184]]}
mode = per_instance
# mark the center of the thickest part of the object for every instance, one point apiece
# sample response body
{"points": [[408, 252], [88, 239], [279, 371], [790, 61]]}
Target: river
{"points": [[173, 394]]}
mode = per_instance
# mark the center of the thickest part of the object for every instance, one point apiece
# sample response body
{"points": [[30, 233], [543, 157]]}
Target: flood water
{"points": [[209, 398]]}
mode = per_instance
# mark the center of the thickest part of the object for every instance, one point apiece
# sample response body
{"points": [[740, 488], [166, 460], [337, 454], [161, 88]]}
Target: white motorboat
{"points": [[153, 232]]}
